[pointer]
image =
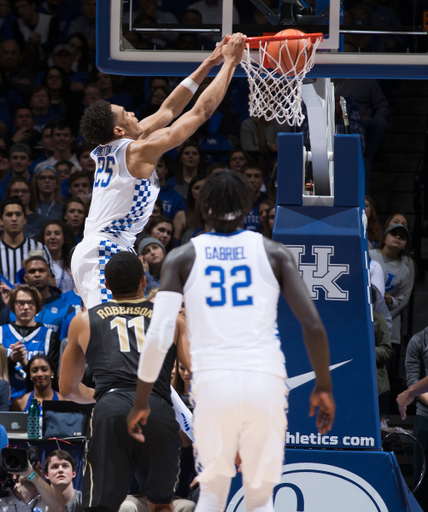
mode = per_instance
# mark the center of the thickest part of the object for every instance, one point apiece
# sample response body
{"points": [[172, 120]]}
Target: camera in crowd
{"points": [[15, 460]]}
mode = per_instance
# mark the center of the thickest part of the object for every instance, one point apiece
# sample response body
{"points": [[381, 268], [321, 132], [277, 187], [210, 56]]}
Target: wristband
{"points": [[190, 84], [32, 476]]}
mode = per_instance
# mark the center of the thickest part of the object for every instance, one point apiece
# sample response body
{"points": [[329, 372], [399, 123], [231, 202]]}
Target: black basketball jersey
{"points": [[118, 329]]}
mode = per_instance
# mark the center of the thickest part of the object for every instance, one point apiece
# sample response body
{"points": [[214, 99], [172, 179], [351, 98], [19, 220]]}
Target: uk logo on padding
{"points": [[311, 487], [322, 274]]}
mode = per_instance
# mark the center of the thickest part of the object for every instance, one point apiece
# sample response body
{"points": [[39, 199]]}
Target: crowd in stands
{"points": [[48, 77]]}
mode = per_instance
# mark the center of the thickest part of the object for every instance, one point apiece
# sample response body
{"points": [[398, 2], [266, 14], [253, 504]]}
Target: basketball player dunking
{"points": [[126, 185], [231, 281]]}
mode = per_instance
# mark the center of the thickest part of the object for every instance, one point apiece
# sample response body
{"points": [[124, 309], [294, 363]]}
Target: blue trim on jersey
{"points": [[224, 234], [106, 250], [142, 192]]}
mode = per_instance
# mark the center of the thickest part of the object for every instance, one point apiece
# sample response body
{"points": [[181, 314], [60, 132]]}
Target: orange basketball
{"points": [[293, 52]]}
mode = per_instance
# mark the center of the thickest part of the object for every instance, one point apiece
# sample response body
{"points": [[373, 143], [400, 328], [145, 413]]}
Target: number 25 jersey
{"points": [[121, 204], [231, 298]]}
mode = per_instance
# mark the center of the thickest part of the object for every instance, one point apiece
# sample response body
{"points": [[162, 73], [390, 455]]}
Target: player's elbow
{"points": [[66, 387]]}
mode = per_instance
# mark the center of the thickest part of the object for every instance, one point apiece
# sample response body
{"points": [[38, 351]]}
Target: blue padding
{"points": [[290, 167], [348, 172]]}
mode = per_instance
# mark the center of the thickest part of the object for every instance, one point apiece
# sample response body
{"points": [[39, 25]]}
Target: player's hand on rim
{"points": [[234, 49], [217, 55], [326, 409], [135, 419]]}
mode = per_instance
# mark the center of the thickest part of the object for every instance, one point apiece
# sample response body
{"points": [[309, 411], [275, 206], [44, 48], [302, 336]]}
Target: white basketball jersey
{"points": [[121, 204], [231, 299]]}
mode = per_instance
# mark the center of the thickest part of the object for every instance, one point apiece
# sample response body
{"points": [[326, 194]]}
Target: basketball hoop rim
{"points": [[266, 39]]}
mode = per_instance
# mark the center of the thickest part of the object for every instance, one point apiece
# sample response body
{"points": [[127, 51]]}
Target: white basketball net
{"points": [[275, 94]]}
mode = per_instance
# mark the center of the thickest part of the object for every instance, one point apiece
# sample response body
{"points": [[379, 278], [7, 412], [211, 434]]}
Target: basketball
{"points": [[291, 54]]}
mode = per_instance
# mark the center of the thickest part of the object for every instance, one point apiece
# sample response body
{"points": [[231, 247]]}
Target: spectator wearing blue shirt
{"points": [[23, 131], [20, 161], [24, 336], [40, 103], [255, 175], [55, 309], [173, 204]]}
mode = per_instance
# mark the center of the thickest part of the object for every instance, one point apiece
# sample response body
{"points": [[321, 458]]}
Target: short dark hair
{"points": [[36, 257], [253, 165], [59, 124], [73, 200], [11, 200], [86, 146], [76, 175], [98, 122], [123, 273], [224, 200], [61, 455], [27, 289], [22, 107]]}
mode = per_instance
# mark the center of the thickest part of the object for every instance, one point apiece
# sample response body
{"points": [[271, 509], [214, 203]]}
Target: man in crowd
{"points": [[24, 127], [109, 337], [63, 139], [255, 175], [60, 470], [14, 247]]}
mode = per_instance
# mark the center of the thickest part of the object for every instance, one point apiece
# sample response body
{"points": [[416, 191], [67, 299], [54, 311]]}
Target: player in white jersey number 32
{"points": [[126, 185], [231, 280]]}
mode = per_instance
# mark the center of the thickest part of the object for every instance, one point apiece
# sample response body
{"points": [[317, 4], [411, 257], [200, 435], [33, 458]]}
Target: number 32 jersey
{"points": [[121, 204], [231, 299]]}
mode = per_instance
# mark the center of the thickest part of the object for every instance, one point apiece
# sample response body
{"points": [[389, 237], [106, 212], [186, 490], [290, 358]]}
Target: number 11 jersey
{"points": [[231, 299], [121, 204]]}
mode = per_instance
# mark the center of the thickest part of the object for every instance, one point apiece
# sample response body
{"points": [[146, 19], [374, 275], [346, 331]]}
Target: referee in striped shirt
{"points": [[14, 247]]}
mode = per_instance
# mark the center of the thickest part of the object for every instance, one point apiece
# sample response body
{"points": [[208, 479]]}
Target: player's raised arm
{"points": [[173, 106], [149, 150], [406, 397]]}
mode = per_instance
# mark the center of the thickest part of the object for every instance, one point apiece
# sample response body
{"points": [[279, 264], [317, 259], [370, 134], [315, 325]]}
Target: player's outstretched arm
{"points": [[314, 335], [406, 397], [173, 106], [73, 362], [149, 150]]}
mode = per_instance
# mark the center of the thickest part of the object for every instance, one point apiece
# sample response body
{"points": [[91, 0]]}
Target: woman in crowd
{"points": [[59, 240], [40, 373], [193, 226], [74, 215], [158, 96], [162, 228], [269, 223], [4, 381], [152, 253], [189, 165], [79, 46], [399, 274], [374, 231], [237, 159], [264, 208], [47, 187], [58, 85], [21, 188]]}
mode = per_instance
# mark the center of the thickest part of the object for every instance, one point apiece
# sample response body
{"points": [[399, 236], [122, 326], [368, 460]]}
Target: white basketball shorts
{"points": [[239, 411], [87, 265]]}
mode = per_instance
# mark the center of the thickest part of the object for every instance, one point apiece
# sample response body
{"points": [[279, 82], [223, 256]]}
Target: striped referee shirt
{"points": [[11, 258]]}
